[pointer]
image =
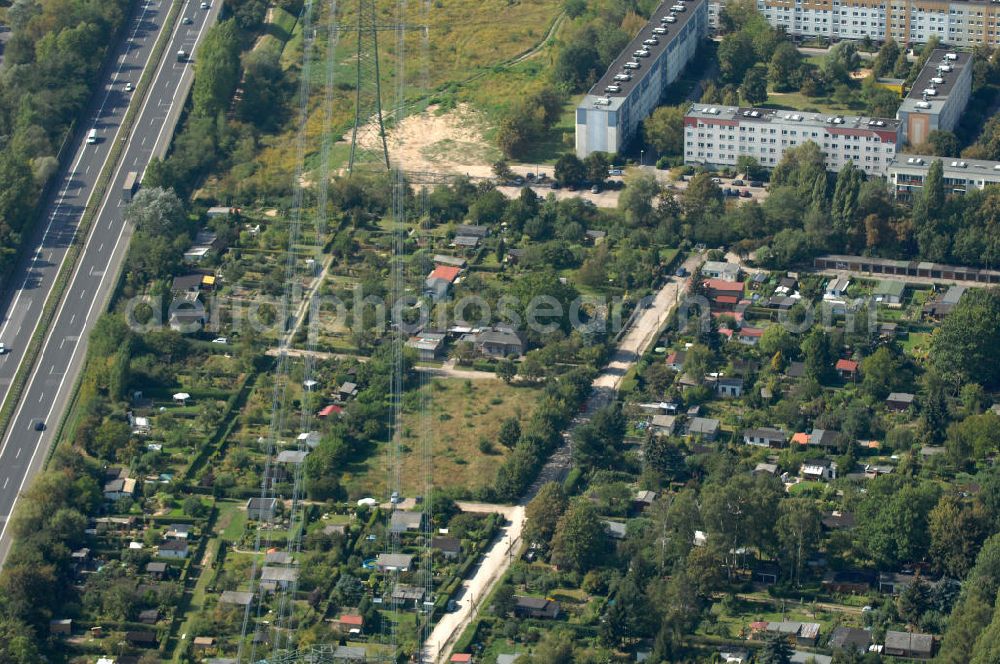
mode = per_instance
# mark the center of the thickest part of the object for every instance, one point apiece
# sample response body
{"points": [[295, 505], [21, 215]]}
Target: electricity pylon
{"points": [[368, 146]]}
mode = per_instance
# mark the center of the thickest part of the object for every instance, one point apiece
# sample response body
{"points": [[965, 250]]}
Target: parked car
{"points": [[681, 272], [737, 183], [756, 183], [745, 193], [596, 189], [717, 180]]}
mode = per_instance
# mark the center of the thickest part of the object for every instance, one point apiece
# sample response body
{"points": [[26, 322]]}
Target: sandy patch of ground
{"points": [[450, 142]]}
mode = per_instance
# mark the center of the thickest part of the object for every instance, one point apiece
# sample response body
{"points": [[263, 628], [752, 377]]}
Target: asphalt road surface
{"points": [[24, 447]]}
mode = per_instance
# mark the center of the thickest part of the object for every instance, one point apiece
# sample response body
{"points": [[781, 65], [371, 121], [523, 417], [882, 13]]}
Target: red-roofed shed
{"points": [[446, 272]]}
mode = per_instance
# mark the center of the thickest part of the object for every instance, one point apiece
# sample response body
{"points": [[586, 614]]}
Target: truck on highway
{"points": [[131, 184]]}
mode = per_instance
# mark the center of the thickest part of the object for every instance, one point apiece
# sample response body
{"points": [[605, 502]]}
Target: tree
{"points": [[555, 648], [736, 55], [892, 519], [664, 130], [966, 344], [886, 58], [662, 457], [777, 339], [628, 617], [636, 201], [798, 532], [843, 207], [501, 170], [754, 86], [818, 354], [580, 540], [783, 70], [957, 531], [776, 650], [506, 370], [217, 70], [17, 642], [974, 438], [597, 164], [929, 205], [569, 170], [264, 89], [702, 198], [156, 211], [442, 508], [940, 143], [880, 373], [503, 600], [543, 512], [193, 507], [841, 60], [913, 601], [510, 432], [578, 64]]}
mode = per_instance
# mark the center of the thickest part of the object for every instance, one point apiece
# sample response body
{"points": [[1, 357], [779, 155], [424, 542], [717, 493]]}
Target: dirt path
{"points": [[644, 331], [491, 569]]}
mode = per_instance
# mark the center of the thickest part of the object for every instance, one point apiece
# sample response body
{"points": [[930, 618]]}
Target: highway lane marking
{"points": [[18, 455], [72, 318], [5, 482], [81, 151], [24, 478]]}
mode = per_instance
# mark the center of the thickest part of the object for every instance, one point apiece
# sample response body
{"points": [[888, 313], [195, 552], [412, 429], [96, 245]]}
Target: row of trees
{"points": [[219, 131], [51, 64]]}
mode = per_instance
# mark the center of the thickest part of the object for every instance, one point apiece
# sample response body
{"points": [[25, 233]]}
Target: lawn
{"points": [[797, 101], [459, 413]]}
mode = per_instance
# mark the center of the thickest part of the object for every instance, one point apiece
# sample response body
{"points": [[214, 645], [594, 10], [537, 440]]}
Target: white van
{"points": [[92, 136]]}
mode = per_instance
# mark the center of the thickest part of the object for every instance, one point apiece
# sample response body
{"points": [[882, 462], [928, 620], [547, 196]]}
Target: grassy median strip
{"points": [[34, 348]]}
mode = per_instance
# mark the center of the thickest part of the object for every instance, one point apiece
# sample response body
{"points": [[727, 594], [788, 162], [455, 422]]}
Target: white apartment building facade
{"points": [[720, 135], [954, 22], [610, 114], [906, 174]]}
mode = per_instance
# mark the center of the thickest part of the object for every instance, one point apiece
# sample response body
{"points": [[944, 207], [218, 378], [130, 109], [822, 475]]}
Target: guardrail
{"points": [[34, 347]]}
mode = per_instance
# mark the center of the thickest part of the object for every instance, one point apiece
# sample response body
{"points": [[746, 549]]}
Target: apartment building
{"points": [[938, 96], [609, 116], [955, 22], [720, 135], [906, 174]]}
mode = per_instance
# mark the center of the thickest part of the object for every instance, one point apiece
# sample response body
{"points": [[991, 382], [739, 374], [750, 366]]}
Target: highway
{"points": [[23, 448]]}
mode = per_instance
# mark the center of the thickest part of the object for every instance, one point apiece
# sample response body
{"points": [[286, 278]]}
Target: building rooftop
{"points": [[744, 114], [655, 52], [970, 168], [935, 76]]}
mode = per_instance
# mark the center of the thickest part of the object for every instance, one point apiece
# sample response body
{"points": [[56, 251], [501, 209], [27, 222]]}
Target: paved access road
{"points": [[500, 554], [23, 447]]}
